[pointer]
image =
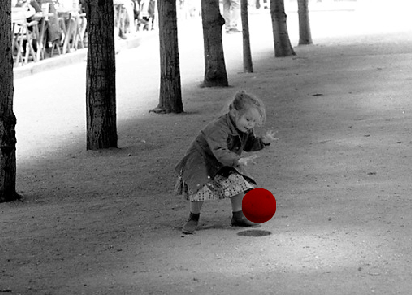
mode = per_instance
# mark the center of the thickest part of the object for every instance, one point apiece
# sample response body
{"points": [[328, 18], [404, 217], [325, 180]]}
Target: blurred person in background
{"points": [[30, 9], [231, 14]]}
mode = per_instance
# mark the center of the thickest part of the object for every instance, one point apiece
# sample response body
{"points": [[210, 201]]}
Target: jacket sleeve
{"points": [[254, 143], [217, 141]]}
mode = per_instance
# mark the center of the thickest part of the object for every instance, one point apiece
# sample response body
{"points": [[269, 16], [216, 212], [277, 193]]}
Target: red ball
{"points": [[259, 205]]}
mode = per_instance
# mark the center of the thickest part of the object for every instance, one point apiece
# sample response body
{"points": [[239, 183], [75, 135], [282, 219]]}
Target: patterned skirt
{"points": [[220, 187]]}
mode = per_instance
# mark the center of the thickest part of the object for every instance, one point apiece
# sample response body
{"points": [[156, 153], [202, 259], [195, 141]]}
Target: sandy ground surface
{"points": [[107, 222]]}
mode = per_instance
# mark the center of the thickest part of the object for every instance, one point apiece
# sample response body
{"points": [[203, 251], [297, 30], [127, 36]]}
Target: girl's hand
{"points": [[269, 136], [245, 160]]}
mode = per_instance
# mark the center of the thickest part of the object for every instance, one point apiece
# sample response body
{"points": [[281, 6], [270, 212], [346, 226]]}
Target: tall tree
{"points": [[212, 22], [305, 37], [282, 44], [7, 118], [247, 54], [170, 97], [101, 76]]}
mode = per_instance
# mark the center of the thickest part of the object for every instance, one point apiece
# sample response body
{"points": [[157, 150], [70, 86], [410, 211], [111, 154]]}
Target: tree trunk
{"points": [[7, 118], [101, 76], [282, 44], [247, 54], [170, 97], [212, 22], [305, 36]]}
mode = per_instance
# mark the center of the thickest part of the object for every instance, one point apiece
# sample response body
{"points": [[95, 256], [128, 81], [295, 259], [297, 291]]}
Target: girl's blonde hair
{"points": [[244, 101]]}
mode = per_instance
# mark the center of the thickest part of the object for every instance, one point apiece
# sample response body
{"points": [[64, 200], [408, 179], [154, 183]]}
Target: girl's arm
{"points": [[254, 143], [217, 141]]}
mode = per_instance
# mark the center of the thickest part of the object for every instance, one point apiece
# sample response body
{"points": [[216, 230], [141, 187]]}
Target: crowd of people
{"points": [[130, 16], [32, 9]]}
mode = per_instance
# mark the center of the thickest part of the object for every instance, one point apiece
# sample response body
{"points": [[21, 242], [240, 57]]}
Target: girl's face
{"points": [[248, 120]]}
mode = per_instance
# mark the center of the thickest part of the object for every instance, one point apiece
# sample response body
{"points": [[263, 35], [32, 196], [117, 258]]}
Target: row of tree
{"points": [[170, 99], [101, 69]]}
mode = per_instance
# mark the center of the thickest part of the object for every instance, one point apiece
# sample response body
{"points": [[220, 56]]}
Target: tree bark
{"points": [[7, 118], [101, 76], [247, 54], [305, 37], [212, 22], [170, 97], [282, 44]]}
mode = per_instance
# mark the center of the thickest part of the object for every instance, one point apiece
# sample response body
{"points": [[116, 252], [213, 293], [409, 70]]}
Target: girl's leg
{"points": [[236, 202], [191, 224], [238, 218], [196, 206]]}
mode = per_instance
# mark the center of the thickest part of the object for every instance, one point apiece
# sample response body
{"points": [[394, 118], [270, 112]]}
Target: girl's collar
{"points": [[232, 125]]}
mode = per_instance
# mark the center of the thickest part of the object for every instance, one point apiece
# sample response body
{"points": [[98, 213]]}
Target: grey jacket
{"points": [[218, 145]]}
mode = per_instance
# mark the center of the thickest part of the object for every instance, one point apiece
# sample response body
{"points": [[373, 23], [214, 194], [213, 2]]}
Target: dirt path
{"points": [[107, 223]]}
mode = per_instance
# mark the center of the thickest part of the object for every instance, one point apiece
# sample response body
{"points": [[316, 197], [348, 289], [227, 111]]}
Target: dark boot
{"points": [[239, 219], [191, 225]]}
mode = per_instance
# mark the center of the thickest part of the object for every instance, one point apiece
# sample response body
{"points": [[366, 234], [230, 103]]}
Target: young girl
{"points": [[212, 168]]}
